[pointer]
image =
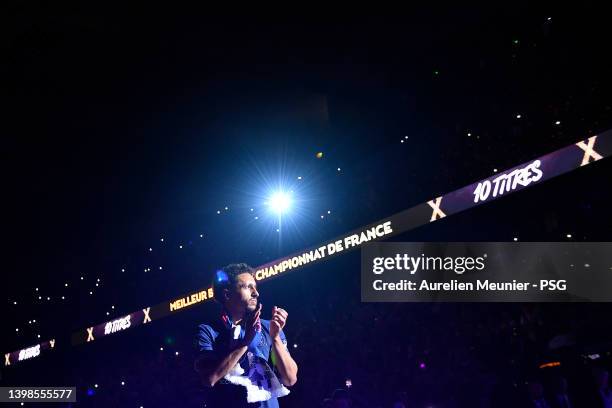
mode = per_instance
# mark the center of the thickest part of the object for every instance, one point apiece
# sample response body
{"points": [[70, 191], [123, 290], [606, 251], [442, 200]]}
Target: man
{"points": [[244, 359]]}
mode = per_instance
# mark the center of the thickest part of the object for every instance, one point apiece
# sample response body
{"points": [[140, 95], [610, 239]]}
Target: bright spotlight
{"points": [[279, 202]]}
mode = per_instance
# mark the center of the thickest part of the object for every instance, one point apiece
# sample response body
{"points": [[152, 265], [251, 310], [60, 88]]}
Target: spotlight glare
{"points": [[279, 202]]}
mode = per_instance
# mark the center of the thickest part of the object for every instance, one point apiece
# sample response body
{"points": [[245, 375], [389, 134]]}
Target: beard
{"points": [[251, 306]]}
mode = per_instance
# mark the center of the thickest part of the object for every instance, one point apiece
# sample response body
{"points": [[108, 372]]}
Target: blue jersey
{"points": [[216, 340]]}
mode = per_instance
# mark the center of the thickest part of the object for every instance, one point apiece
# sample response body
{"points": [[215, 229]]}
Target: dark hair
{"points": [[225, 278]]}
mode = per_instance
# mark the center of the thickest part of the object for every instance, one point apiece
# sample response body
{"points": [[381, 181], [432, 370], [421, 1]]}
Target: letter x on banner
{"points": [[559, 162]]}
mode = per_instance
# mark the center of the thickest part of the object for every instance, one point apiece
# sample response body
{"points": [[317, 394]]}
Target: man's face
{"points": [[244, 297]]}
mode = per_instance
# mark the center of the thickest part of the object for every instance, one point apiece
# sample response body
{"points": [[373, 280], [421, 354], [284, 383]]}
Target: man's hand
{"points": [[278, 321], [287, 368], [251, 325]]}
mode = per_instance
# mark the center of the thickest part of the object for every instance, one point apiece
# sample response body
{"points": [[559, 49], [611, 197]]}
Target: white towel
{"points": [[261, 382]]}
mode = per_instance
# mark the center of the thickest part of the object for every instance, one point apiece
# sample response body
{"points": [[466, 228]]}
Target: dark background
{"points": [[122, 127]]}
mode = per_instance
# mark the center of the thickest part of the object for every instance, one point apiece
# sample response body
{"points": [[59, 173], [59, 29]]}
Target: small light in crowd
{"points": [[33, 321], [107, 313], [95, 385], [294, 345], [201, 235], [469, 134], [569, 235], [37, 289], [150, 249], [587, 265], [277, 230], [161, 239], [82, 278], [218, 212], [161, 349], [39, 336], [518, 116], [515, 239], [422, 366], [299, 177], [256, 217], [558, 122], [122, 382], [176, 353], [66, 284], [29, 322], [405, 137], [97, 285], [329, 211], [322, 216], [122, 269], [40, 297], [402, 141], [338, 168], [15, 302], [494, 170], [63, 297], [90, 292], [160, 268], [180, 247], [17, 329], [226, 208], [251, 210], [113, 306], [48, 298]]}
